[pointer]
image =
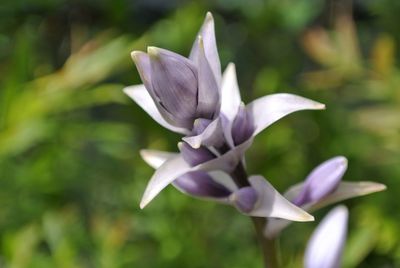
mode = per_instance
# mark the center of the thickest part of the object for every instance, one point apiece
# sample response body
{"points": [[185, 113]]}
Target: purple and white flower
{"points": [[322, 187]]}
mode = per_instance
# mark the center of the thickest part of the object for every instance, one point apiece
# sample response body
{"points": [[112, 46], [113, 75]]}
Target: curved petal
{"points": [[212, 135], [177, 166], [207, 32], [271, 203], [322, 180], [269, 109], [230, 101], [139, 94], [325, 247]]}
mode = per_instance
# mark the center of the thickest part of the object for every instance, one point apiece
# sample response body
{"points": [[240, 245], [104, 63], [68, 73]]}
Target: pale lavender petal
{"points": [[155, 158], [200, 184], [195, 156], [208, 90], [212, 135], [207, 32], [269, 109], [230, 101], [347, 190], [244, 199], [242, 126], [271, 203], [323, 180], [142, 62], [139, 94], [175, 167], [174, 81], [325, 247]]}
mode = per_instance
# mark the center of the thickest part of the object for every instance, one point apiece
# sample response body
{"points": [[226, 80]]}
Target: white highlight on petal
{"points": [[325, 247], [269, 109], [139, 94], [271, 203], [155, 158], [230, 100]]}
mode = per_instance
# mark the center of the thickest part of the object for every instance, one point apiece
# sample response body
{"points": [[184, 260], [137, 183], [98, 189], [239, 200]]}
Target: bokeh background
{"points": [[70, 172]]}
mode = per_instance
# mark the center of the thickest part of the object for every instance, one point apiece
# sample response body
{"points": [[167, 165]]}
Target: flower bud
{"points": [[244, 199], [194, 156]]}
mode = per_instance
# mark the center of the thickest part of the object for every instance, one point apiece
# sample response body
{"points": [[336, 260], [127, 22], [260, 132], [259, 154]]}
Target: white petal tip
{"points": [[153, 51], [135, 53], [209, 16], [142, 204], [192, 141], [320, 106]]}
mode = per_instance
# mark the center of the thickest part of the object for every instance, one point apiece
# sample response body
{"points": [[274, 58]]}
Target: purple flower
{"points": [[188, 96], [177, 90], [322, 187], [260, 199], [324, 250]]}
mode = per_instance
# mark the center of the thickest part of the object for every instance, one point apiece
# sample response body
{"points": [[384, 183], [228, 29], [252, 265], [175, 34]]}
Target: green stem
{"points": [[268, 246]]}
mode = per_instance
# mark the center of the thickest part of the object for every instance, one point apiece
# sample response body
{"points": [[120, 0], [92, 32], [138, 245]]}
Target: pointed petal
{"points": [[272, 204], [142, 62], [208, 90], [348, 190], [139, 94], [269, 109], [212, 135], [322, 180], [325, 247], [207, 32], [174, 81], [177, 166], [230, 100], [156, 158]]}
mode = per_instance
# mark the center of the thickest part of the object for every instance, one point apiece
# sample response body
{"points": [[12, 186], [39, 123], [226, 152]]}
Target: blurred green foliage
{"points": [[70, 174]]}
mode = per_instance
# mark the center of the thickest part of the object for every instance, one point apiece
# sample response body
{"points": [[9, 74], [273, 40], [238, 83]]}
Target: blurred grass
{"points": [[70, 174]]}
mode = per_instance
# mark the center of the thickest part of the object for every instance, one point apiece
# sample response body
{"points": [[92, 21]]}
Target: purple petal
{"points": [[230, 101], [195, 156], [325, 247], [271, 203], [200, 184], [141, 96], [322, 181], [207, 33], [174, 81], [208, 91], [244, 199], [212, 135], [269, 109], [242, 126]]}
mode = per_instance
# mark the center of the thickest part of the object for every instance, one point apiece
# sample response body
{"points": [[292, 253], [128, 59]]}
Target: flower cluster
{"points": [[191, 96]]}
